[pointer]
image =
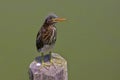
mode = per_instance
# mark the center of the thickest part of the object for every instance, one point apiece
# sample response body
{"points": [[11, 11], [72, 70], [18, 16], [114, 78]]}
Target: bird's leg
{"points": [[50, 56], [51, 60], [42, 58], [45, 65]]}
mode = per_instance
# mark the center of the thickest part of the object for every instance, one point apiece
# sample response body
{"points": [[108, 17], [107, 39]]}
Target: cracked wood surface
{"points": [[57, 70]]}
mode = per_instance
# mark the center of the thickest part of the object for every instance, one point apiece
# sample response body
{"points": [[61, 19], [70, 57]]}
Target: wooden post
{"points": [[57, 70]]}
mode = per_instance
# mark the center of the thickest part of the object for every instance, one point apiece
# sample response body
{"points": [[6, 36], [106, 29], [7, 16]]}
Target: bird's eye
{"points": [[51, 18]]}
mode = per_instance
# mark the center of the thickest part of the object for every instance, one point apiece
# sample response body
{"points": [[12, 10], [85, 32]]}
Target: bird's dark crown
{"points": [[49, 19]]}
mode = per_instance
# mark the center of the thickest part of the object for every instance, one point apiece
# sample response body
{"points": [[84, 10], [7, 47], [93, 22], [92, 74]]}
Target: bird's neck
{"points": [[47, 25]]}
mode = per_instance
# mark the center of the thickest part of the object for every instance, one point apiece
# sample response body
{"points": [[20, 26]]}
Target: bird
{"points": [[46, 36]]}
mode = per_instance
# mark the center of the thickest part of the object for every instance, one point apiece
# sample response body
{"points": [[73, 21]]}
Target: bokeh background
{"points": [[89, 40]]}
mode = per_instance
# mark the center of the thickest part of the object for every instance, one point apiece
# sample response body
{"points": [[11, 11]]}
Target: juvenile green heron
{"points": [[46, 36]]}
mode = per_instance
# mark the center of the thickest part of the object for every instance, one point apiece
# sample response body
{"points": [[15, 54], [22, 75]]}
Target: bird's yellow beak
{"points": [[58, 19]]}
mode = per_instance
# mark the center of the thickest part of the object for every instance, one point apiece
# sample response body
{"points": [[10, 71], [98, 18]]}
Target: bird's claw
{"points": [[45, 65], [51, 62]]}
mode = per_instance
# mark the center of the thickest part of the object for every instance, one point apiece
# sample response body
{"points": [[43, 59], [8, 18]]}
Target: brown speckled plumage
{"points": [[46, 36]]}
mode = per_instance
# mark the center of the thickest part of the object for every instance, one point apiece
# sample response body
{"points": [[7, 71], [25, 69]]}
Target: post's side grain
{"points": [[57, 70]]}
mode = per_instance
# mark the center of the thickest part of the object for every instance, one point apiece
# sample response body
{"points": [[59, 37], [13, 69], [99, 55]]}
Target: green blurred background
{"points": [[89, 40]]}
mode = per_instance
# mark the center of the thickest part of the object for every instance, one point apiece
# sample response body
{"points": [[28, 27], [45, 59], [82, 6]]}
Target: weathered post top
{"points": [[57, 70]]}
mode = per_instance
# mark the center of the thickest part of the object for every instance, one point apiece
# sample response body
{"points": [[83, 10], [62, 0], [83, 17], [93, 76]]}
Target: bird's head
{"points": [[52, 19]]}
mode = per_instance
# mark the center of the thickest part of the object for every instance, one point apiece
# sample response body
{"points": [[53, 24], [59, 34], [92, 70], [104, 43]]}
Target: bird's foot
{"points": [[45, 65], [51, 60], [52, 63]]}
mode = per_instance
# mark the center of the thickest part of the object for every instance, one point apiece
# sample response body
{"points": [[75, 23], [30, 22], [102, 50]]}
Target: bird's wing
{"points": [[39, 42], [43, 37]]}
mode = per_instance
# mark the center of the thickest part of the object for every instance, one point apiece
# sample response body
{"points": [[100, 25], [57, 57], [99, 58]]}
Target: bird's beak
{"points": [[58, 19]]}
